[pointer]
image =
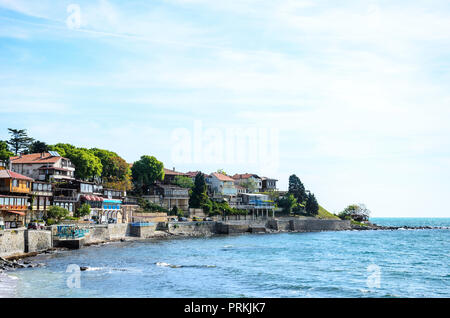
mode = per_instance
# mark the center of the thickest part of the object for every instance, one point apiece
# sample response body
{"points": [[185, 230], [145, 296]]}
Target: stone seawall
{"points": [[146, 231], [38, 241], [192, 228], [12, 242], [21, 241]]}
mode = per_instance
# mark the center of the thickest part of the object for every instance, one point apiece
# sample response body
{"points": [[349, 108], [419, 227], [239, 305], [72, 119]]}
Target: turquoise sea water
{"points": [[403, 263]]}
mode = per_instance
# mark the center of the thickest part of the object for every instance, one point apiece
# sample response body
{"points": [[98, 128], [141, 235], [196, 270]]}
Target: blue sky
{"points": [[356, 93]]}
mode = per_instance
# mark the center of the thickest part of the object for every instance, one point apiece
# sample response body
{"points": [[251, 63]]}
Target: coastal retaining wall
{"points": [[20, 241], [318, 225], [118, 231], [106, 232], [192, 228], [143, 231], [279, 224], [37, 241], [12, 242]]}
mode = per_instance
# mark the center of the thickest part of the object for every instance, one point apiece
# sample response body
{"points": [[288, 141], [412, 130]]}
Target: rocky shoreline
{"points": [[6, 265], [375, 227]]}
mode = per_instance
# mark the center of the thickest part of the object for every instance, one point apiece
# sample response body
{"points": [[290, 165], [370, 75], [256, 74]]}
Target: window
{"points": [[15, 183]]}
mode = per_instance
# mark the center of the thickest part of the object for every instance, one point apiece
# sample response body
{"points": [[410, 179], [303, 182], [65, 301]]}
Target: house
{"points": [[43, 166], [14, 189], [269, 184], [12, 211], [168, 196], [240, 189], [248, 178], [169, 175], [257, 204], [13, 182], [221, 184], [41, 193]]}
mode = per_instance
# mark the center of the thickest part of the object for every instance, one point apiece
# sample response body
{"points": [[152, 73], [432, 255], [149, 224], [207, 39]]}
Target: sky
{"points": [[354, 98]]}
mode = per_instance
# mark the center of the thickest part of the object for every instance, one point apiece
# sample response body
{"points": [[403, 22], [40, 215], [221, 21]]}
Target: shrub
{"points": [[84, 210], [148, 206], [58, 213], [51, 221]]}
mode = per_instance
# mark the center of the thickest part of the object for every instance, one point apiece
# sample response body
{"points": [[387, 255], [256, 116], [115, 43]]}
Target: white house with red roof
{"points": [[43, 166], [221, 184], [245, 178]]}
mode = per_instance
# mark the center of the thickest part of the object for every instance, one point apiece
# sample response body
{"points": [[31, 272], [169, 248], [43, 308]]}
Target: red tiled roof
{"points": [[192, 173], [244, 176], [8, 174], [222, 177], [169, 172], [35, 158]]}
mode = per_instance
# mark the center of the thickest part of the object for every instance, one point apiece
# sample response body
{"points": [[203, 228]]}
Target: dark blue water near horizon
{"points": [[402, 263]]}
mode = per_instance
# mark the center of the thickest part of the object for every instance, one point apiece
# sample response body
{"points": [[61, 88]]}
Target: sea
{"points": [[394, 263]]}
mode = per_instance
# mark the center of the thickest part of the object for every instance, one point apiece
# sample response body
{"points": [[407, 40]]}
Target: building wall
{"points": [[23, 186], [149, 217]]}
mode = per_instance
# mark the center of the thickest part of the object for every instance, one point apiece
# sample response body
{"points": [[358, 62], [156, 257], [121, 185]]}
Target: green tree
{"points": [[38, 147], [287, 203], [57, 213], [250, 185], [174, 210], [19, 141], [199, 198], [116, 172], [312, 207], [62, 149], [145, 172], [184, 182], [84, 210], [357, 212], [221, 171], [5, 154], [297, 189], [88, 166]]}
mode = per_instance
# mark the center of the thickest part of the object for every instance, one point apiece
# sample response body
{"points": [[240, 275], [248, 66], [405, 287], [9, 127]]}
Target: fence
{"points": [[70, 231]]}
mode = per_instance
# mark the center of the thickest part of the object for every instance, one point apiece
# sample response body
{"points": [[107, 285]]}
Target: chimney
{"points": [[42, 154], [173, 169]]}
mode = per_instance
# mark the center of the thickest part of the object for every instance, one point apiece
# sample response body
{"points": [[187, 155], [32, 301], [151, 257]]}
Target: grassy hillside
{"points": [[324, 214]]}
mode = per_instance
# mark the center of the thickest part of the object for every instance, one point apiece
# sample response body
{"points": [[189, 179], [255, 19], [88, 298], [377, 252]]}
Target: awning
{"points": [[91, 198], [17, 212]]}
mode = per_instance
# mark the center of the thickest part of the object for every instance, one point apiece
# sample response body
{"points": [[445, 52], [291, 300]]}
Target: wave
{"points": [[163, 264], [108, 269]]}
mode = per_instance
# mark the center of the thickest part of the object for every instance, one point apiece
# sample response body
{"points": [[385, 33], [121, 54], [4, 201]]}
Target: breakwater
{"points": [[21, 242]]}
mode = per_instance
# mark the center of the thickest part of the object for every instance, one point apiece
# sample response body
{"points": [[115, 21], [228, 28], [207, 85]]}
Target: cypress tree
{"points": [[297, 189], [312, 207]]}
